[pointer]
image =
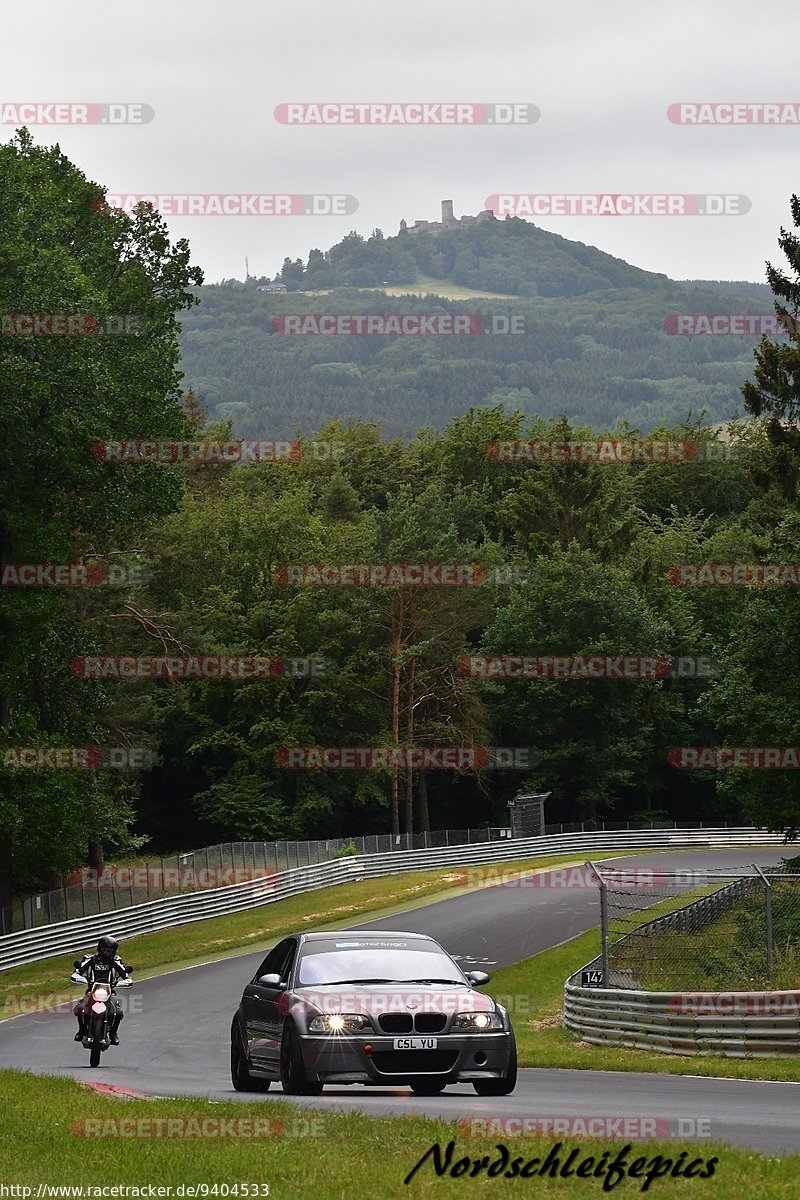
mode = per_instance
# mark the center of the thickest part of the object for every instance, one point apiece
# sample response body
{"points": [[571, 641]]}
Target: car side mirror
{"points": [[269, 981], [477, 978]]}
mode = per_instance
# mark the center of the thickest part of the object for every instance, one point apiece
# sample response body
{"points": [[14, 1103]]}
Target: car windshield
{"points": [[389, 961]]}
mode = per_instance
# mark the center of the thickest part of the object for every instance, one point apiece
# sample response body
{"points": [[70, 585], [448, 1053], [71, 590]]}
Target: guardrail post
{"points": [[603, 922], [768, 923]]}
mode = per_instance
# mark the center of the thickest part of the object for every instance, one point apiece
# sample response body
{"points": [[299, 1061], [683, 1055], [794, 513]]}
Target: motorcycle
{"points": [[98, 1019]]}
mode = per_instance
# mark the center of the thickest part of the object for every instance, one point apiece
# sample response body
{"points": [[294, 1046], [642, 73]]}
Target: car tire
{"points": [[507, 1081], [427, 1087], [241, 1078], [293, 1071]]}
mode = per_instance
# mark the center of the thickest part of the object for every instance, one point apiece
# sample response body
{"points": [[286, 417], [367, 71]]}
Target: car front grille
{"points": [[414, 1062], [423, 1022], [430, 1022], [396, 1022]]}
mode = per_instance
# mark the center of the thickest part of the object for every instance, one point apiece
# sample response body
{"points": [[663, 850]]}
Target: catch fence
{"points": [[734, 929], [85, 895]]}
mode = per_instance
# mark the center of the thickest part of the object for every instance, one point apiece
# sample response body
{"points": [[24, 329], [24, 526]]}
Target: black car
{"points": [[370, 1008]]}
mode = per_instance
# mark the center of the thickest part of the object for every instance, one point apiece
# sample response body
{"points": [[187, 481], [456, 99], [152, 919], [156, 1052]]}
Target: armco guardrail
{"points": [[233, 862], [733, 1024], [16, 949]]}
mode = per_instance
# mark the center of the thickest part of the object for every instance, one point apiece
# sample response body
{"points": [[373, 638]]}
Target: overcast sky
{"points": [[603, 77]]}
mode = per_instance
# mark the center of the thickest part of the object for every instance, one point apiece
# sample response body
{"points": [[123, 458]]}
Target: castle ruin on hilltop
{"points": [[448, 221]]}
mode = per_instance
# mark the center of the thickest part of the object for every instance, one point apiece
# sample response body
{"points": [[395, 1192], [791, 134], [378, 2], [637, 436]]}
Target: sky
{"points": [[602, 77]]}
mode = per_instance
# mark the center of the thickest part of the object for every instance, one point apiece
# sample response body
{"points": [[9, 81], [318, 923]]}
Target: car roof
{"points": [[363, 934]]}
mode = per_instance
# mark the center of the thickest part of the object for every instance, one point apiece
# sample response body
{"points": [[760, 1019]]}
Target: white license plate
{"points": [[415, 1043]]}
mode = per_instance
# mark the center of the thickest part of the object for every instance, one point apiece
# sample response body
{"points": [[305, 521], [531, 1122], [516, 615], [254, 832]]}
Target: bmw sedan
{"points": [[370, 1008]]}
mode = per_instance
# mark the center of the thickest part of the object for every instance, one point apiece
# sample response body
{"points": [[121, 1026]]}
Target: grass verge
{"points": [[57, 1133]]}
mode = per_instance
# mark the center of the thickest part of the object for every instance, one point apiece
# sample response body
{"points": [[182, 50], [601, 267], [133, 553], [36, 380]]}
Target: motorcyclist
{"points": [[103, 967]]}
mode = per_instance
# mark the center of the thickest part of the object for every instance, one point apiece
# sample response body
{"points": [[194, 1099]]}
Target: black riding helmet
{"points": [[107, 948]]}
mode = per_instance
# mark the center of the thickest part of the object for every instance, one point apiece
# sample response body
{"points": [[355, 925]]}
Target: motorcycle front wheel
{"points": [[98, 1033]]}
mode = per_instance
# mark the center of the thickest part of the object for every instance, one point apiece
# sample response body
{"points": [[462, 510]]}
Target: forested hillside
{"points": [[510, 256], [594, 341], [565, 558]]}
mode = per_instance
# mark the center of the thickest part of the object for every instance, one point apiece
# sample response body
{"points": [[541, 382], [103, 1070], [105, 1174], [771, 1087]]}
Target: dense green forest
{"points": [[578, 559], [592, 345]]}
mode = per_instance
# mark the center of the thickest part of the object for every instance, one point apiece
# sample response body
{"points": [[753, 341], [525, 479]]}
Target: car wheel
{"points": [[507, 1081], [427, 1087], [293, 1071], [241, 1078]]}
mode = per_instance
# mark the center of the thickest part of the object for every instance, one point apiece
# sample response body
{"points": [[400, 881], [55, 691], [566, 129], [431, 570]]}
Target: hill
{"points": [[595, 340]]}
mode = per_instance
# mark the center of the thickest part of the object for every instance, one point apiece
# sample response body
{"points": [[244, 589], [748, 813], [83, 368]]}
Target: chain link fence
{"points": [[83, 894], [86, 894], [711, 930]]}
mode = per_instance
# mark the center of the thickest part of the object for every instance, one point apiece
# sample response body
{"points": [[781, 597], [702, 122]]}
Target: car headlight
{"points": [[338, 1023], [477, 1022]]}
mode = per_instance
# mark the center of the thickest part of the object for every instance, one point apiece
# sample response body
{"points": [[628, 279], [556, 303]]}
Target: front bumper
{"points": [[458, 1058]]}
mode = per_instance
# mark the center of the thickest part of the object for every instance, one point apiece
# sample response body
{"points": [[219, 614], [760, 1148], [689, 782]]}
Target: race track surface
{"points": [[175, 1038]]}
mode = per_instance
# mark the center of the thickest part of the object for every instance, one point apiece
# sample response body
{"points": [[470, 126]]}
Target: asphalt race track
{"points": [[175, 1039]]}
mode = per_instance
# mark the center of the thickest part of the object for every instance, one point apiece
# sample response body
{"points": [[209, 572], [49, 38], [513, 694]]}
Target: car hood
{"points": [[377, 998]]}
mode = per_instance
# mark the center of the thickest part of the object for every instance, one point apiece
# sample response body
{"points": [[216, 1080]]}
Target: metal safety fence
{"points": [[182, 908], [85, 893]]}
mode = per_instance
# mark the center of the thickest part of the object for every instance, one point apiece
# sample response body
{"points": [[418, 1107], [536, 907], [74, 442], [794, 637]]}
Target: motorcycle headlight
{"points": [[338, 1023], [477, 1022]]}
